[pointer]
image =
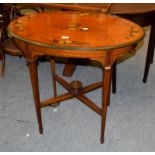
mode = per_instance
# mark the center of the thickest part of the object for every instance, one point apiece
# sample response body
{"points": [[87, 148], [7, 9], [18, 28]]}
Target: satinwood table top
{"points": [[76, 30]]}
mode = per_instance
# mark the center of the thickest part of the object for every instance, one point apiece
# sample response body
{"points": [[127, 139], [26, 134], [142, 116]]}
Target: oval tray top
{"points": [[76, 30]]}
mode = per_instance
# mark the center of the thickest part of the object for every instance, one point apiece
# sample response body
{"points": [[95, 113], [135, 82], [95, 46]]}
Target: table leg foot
{"points": [[41, 131], [101, 140], [55, 105]]}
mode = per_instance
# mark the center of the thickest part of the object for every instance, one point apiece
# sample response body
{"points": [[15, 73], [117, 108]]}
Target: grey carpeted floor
{"points": [[73, 126]]}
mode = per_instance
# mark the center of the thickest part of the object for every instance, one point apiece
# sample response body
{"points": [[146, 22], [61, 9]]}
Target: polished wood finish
{"points": [[93, 36], [102, 7], [73, 31]]}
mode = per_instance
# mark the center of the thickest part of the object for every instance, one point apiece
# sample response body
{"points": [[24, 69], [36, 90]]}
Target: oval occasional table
{"points": [[93, 36]]}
